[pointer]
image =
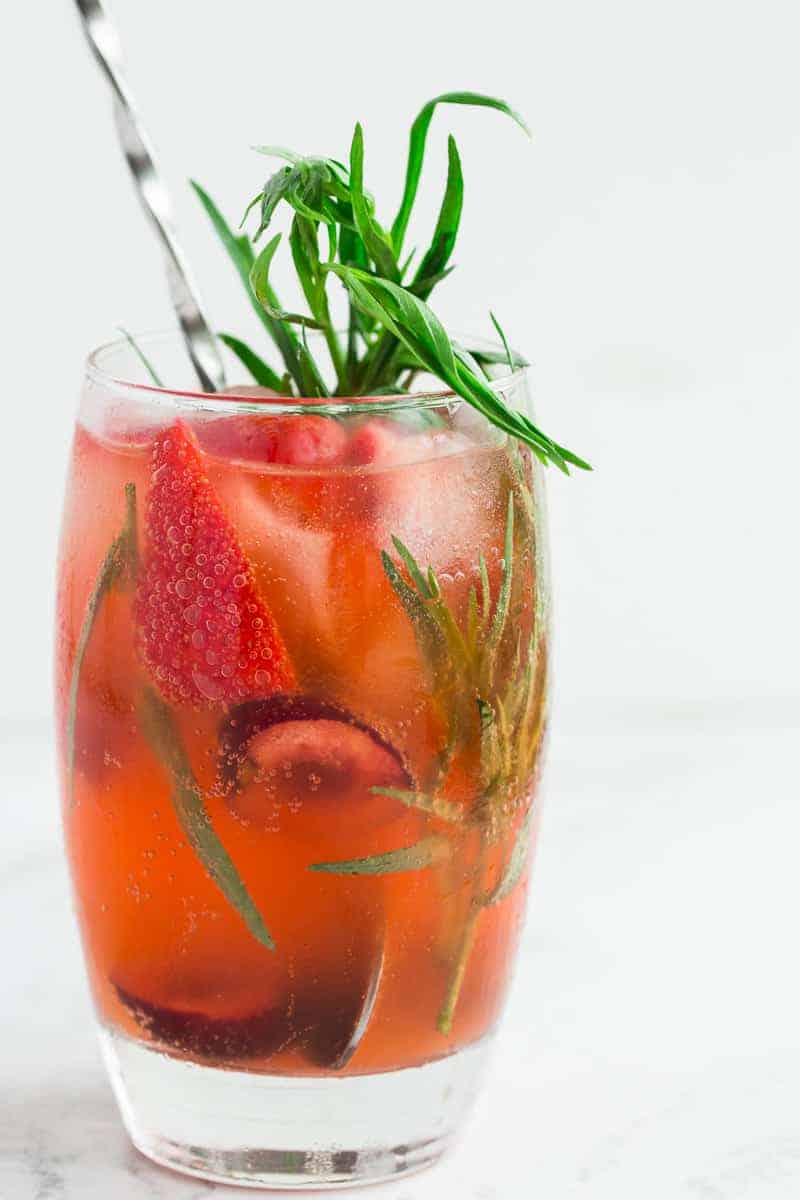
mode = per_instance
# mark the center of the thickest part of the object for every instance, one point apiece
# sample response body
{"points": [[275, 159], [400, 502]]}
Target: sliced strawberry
{"points": [[237, 435], [313, 762], [256, 1034], [334, 1013], [283, 731], [300, 441], [204, 632], [320, 1003], [295, 441]]}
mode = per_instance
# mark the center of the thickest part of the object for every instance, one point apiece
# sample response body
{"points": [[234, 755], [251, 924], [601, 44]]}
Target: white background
{"points": [[645, 251]]}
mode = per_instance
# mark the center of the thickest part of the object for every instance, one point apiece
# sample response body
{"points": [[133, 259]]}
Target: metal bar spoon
{"points": [[200, 342]]}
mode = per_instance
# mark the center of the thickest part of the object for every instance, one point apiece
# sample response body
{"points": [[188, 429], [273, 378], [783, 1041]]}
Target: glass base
{"points": [[275, 1131]]}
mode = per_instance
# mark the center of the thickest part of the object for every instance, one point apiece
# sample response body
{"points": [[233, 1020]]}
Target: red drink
{"points": [[301, 685]]}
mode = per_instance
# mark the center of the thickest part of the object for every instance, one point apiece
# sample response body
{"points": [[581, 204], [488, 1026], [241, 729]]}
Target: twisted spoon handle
{"points": [[200, 342]]}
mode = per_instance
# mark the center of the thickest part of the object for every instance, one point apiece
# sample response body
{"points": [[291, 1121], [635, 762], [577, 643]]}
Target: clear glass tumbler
{"points": [[301, 687]]}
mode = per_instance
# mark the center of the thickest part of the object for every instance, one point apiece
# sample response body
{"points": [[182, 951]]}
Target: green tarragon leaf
{"points": [[425, 853], [516, 863], [293, 318], [140, 354], [377, 241], [433, 805], [316, 188], [433, 267], [259, 275], [275, 190], [416, 149], [237, 245], [490, 750], [470, 361], [262, 373], [490, 358], [504, 597], [303, 369], [404, 315], [279, 152], [504, 340], [304, 246], [486, 591], [187, 798], [242, 255], [414, 324], [429, 637], [412, 566]]}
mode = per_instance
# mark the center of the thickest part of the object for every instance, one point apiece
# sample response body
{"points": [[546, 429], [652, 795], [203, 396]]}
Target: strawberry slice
{"points": [[204, 632], [312, 766], [276, 735], [292, 440], [256, 1034], [310, 441]]}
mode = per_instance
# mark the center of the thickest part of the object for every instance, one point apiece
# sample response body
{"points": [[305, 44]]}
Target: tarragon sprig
{"points": [[503, 710], [506, 717], [416, 148], [162, 732], [427, 852], [461, 660], [392, 333]]}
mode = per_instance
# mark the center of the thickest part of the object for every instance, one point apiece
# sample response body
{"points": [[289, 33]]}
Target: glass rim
{"points": [[225, 402]]}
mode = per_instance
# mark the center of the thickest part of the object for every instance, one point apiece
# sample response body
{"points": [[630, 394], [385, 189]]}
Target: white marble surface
{"points": [[651, 1047]]}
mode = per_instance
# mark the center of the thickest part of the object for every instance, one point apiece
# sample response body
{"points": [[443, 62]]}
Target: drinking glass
{"points": [[302, 653]]}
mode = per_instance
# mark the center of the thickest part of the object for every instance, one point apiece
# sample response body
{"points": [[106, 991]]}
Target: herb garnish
{"points": [[503, 710], [392, 333], [424, 853], [189, 804], [143, 359]]}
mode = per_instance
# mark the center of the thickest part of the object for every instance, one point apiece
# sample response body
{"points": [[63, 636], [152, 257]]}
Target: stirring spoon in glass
{"points": [[200, 341]]}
